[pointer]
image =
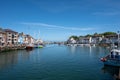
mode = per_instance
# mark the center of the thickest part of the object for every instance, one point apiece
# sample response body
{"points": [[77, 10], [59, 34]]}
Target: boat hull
{"points": [[29, 47], [40, 46], [112, 63]]}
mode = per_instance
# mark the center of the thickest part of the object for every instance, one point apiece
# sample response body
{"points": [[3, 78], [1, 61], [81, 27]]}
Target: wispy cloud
{"points": [[58, 27]]}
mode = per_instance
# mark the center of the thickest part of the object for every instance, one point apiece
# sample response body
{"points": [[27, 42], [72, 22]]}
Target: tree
{"points": [[88, 35], [95, 34], [74, 37], [109, 33]]}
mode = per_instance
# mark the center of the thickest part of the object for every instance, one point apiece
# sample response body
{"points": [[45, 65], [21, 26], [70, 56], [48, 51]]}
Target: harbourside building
{"points": [[95, 39], [21, 38], [2, 38], [85, 40], [72, 41], [11, 37], [28, 39]]}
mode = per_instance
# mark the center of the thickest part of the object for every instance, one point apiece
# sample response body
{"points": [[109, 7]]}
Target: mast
{"points": [[118, 40]]}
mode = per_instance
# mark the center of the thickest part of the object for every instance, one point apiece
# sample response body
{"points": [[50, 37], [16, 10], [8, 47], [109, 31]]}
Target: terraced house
{"points": [[11, 37], [2, 38]]}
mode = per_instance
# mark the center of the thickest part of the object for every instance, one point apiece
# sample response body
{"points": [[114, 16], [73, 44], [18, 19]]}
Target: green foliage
{"points": [[95, 34], [88, 35], [74, 37], [108, 33]]}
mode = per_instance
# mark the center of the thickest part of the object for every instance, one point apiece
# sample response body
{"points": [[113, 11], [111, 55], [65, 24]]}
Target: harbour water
{"points": [[56, 62]]}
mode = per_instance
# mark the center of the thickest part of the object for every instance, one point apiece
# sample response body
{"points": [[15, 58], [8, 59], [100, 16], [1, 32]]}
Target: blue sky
{"points": [[56, 20]]}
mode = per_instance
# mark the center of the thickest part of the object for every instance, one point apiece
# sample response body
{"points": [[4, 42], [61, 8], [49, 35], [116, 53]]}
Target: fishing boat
{"points": [[113, 58], [29, 47]]}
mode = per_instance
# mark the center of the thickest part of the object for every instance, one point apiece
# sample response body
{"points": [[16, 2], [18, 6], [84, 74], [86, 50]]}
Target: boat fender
{"points": [[103, 59]]}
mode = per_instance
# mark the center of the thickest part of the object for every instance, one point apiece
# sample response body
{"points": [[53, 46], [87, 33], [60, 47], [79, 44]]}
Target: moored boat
{"points": [[40, 46], [113, 59], [29, 47]]}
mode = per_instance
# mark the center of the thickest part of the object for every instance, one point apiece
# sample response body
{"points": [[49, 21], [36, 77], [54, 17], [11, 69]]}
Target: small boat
{"points": [[113, 59], [40, 46], [29, 47]]}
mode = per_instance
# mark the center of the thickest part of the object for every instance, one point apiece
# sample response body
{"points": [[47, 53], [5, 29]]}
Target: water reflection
{"points": [[88, 49], [8, 58], [113, 71], [72, 48], [13, 57]]}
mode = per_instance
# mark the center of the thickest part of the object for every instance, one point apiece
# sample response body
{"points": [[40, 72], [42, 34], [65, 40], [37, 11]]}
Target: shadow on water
{"points": [[112, 71]]}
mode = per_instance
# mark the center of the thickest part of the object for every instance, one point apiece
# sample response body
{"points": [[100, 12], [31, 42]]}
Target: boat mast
{"points": [[118, 40]]}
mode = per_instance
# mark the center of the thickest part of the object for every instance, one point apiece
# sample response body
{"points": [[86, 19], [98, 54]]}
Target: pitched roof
{"points": [[9, 30]]}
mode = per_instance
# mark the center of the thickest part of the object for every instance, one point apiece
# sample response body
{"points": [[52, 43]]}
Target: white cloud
{"points": [[58, 27]]}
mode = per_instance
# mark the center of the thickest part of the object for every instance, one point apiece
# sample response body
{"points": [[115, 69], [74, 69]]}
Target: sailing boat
{"points": [[39, 42], [113, 59]]}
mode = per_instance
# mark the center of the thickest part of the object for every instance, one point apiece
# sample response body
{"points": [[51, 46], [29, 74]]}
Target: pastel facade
{"points": [[11, 37]]}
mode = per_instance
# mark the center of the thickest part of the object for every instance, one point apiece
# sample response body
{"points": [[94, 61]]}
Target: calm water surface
{"points": [[55, 62]]}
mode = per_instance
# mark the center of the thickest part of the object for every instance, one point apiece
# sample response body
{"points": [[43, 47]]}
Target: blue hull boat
{"points": [[112, 63], [113, 59]]}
